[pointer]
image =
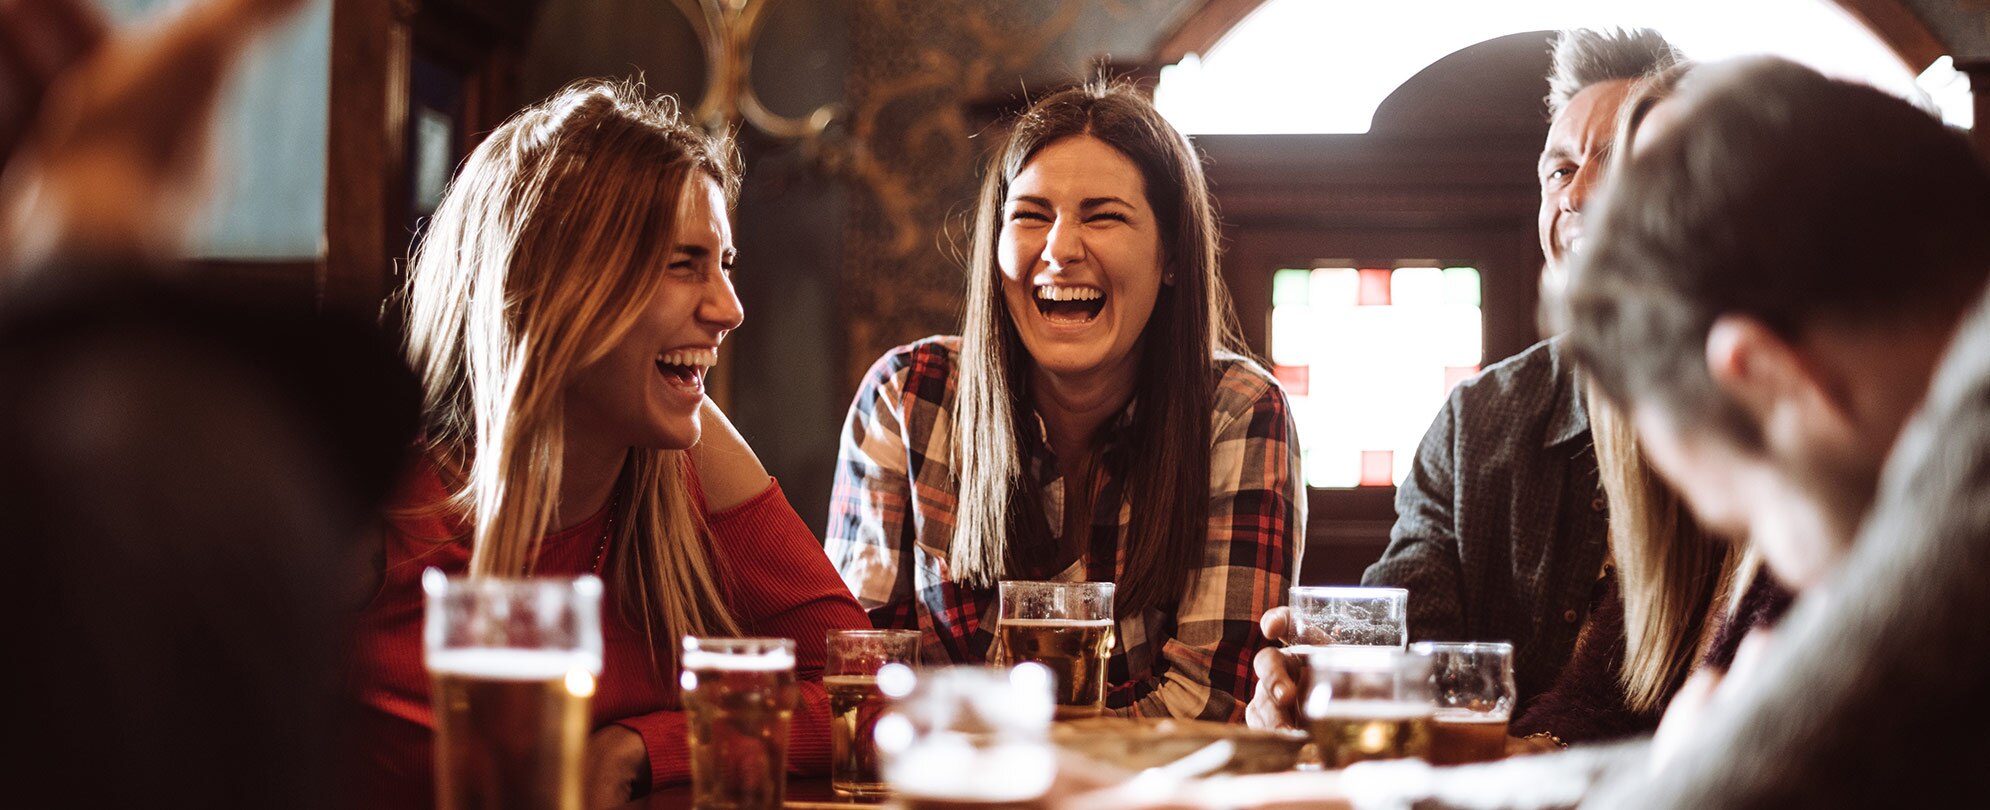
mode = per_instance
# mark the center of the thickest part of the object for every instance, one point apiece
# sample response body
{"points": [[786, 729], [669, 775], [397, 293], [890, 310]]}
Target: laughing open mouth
{"points": [[687, 367], [1060, 304]]}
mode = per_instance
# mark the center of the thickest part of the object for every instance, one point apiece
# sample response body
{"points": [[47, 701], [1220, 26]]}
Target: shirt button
{"points": [[1568, 616], [1597, 505]]}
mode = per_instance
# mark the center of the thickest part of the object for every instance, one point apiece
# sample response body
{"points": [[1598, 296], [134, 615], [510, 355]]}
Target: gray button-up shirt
{"points": [[1501, 525]]}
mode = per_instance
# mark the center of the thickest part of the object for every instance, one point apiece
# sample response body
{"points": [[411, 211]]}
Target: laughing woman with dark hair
{"points": [[1092, 423]]}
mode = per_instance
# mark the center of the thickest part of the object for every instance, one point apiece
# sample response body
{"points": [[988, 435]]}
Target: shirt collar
{"points": [[1570, 419]]}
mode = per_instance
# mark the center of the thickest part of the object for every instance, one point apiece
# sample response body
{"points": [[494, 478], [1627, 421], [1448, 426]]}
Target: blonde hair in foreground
{"points": [[538, 260], [1678, 583]]}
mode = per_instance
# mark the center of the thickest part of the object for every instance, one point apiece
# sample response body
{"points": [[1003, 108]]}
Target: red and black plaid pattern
{"points": [[891, 521]]}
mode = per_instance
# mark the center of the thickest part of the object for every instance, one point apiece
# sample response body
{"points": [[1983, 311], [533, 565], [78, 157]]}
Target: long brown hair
{"points": [[538, 260], [1168, 465]]}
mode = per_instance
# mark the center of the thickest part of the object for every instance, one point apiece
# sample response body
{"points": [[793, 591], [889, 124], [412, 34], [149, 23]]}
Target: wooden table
{"points": [[803, 794]]}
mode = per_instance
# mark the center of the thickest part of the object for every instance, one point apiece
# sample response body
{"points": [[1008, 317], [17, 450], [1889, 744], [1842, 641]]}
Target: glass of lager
{"points": [[1473, 683], [855, 656], [967, 737], [1066, 626], [512, 664], [740, 695], [1331, 617], [1369, 703]]}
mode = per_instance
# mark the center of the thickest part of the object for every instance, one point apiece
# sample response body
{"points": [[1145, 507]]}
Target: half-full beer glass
{"points": [[1345, 617], [740, 694], [855, 703], [968, 737], [513, 664], [1369, 703], [1474, 692], [1066, 626]]}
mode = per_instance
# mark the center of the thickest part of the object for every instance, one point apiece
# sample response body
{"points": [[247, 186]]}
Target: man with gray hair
{"points": [[1501, 524]]}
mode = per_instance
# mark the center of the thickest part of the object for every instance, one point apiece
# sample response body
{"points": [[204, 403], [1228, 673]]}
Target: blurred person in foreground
{"points": [[1731, 305], [182, 472], [1528, 516], [563, 309]]}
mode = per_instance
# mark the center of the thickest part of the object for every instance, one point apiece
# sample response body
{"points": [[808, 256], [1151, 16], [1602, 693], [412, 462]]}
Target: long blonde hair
{"points": [[1674, 577], [1678, 582], [538, 260]]}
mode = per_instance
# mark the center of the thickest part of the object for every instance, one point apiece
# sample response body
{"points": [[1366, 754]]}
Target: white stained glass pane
{"points": [[1291, 332], [1336, 287], [1461, 338], [1416, 287], [1376, 374], [1404, 460]]}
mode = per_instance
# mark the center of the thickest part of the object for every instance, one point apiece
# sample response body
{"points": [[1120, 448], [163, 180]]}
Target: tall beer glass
{"points": [[968, 737], [1369, 703], [855, 703], [1473, 687], [740, 694], [1066, 626], [513, 664]]}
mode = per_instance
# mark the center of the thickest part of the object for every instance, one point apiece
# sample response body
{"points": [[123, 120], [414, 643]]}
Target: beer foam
{"points": [[706, 660], [1057, 623], [1373, 710], [849, 680], [508, 664], [1469, 717]]}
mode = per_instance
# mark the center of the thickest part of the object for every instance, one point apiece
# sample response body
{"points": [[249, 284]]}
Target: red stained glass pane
{"points": [[1374, 288], [1294, 378], [1453, 375], [1378, 468]]}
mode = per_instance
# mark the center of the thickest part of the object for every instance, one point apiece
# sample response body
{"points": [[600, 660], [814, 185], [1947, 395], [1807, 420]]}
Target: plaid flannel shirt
{"points": [[892, 516]]}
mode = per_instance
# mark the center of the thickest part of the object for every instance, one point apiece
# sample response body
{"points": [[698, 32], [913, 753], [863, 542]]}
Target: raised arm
{"points": [[1422, 555]]}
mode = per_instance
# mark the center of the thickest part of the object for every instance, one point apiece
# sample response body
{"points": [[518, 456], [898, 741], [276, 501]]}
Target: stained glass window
{"points": [[1367, 355]]}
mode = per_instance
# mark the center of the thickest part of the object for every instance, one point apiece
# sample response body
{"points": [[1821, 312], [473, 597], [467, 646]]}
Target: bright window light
{"points": [[1298, 66]]}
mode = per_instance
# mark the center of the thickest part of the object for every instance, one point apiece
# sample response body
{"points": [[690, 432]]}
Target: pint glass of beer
{"points": [[740, 695], [1473, 687], [968, 737], [1066, 626], [1369, 703], [513, 664], [855, 704], [1339, 617]]}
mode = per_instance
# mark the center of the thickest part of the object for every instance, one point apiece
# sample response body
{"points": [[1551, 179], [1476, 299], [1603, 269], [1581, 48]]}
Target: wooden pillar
{"points": [[370, 63]]}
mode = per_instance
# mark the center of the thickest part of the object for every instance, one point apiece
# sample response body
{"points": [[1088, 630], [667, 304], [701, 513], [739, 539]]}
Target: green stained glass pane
{"points": [[1461, 286], [1288, 287]]}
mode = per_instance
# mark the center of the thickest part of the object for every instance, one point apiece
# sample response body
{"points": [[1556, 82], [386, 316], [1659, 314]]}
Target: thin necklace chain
{"points": [[607, 528]]}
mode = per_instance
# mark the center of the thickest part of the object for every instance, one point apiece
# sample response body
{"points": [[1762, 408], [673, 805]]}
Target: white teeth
{"points": [[1052, 292], [702, 358]]}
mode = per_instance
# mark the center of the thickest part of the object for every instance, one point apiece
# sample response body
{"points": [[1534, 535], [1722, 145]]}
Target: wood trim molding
{"points": [[370, 63], [1201, 28], [1900, 28]]}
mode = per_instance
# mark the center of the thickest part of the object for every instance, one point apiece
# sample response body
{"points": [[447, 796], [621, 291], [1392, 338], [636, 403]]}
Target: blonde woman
{"points": [[1092, 423], [562, 311]]}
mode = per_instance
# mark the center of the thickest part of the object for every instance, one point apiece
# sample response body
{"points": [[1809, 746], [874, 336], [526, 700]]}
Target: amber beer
{"points": [[854, 707], [1351, 731], [511, 726], [1075, 650], [740, 697], [1463, 737]]}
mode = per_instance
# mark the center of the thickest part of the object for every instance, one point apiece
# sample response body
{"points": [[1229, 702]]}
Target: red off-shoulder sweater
{"points": [[777, 583]]}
